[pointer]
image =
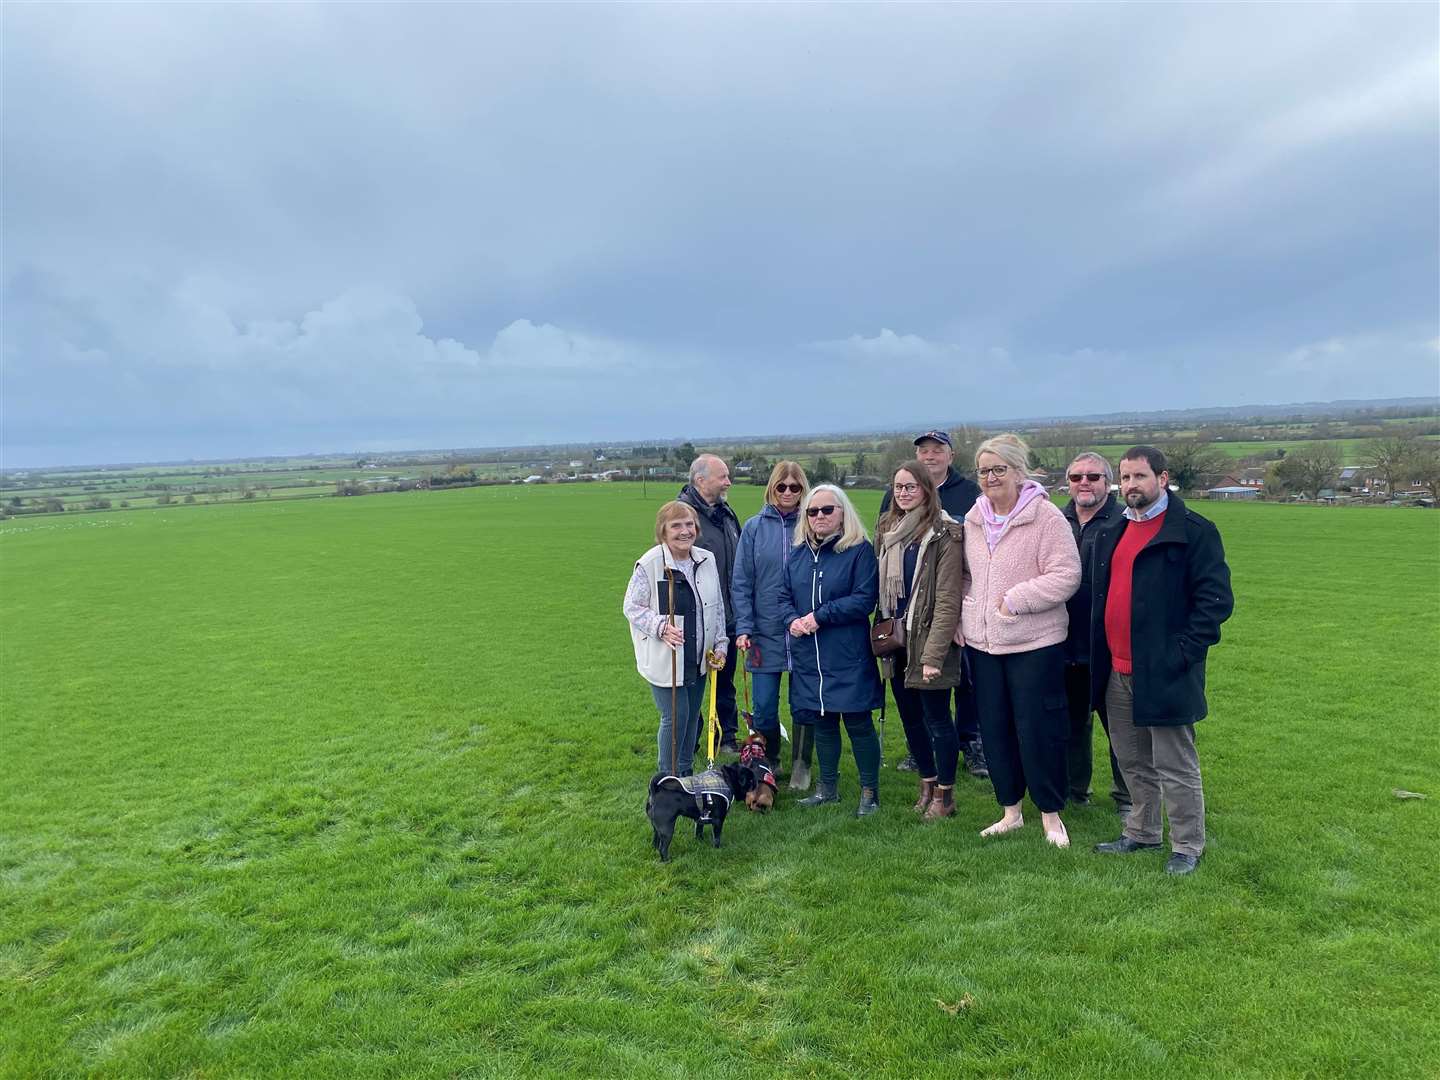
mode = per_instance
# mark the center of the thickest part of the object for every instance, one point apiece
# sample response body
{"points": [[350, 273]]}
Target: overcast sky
{"points": [[248, 229]]}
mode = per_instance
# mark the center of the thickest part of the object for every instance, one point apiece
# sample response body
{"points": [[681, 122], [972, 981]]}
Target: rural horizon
{"points": [[1422, 403]]}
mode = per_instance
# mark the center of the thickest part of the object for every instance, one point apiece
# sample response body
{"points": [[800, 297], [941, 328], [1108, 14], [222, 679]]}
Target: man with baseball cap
{"points": [[935, 450]]}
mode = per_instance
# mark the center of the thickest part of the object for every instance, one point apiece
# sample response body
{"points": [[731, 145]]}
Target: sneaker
{"points": [[975, 761], [729, 747], [1181, 864], [907, 764]]}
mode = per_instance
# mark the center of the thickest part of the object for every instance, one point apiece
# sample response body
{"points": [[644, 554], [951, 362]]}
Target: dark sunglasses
{"points": [[816, 511], [796, 488], [1076, 477]]}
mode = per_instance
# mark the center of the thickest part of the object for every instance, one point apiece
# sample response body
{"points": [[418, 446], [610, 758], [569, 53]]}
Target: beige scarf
{"points": [[892, 560]]}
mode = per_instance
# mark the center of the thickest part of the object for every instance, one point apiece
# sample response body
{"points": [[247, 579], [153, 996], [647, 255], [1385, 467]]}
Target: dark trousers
{"points": [[765, 718], [1024, 723], [724, 697], [967, 715], [1077, 694], [929, 733], [864, 744]]}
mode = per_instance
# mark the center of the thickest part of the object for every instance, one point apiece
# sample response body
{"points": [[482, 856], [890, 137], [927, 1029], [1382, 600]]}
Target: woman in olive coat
{"points": [[922, 563]]}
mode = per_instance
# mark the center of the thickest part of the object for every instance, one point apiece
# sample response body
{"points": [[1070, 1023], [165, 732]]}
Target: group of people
{"points": [[1028, 618]]}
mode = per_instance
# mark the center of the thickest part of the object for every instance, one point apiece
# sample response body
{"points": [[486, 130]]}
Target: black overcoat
{"points": [[1179, 595]]}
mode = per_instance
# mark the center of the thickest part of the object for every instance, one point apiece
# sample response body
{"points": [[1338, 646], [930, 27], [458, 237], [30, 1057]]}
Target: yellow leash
{"points": [[712, 725]]}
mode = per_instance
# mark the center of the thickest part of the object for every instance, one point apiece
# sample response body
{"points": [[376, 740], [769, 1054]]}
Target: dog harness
{"points": [[706, 787], [754, 757]]}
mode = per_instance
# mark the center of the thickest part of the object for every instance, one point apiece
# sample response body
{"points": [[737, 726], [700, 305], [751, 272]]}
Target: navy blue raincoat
{"points": [[833, 669], [765, 546]]}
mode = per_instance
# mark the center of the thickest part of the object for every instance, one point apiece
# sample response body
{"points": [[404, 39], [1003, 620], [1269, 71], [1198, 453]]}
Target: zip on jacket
{"points": [[817, 597]]}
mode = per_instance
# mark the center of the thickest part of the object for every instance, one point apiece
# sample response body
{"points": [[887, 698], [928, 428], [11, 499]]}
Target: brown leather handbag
{"points": [[887, 636]]}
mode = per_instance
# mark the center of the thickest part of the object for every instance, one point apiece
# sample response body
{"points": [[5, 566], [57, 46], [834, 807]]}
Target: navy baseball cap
{"points": [[938, 436]]}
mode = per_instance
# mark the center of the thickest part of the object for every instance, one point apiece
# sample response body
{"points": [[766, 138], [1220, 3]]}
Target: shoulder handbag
{"points": [[887, 636]]}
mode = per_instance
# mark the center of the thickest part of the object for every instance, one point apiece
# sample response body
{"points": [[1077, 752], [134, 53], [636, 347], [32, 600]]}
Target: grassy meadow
{"points": [[354, 787]]}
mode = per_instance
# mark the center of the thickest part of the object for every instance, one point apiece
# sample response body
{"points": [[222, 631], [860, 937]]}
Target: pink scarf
{"points": [[994, 527]]}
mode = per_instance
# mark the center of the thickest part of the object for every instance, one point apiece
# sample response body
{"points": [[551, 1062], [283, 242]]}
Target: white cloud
{"points": [[526, 346], [887, 345]]}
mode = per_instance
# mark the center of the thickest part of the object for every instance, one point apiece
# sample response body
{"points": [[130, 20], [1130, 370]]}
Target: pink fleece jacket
{"points": [[1035, 567]]}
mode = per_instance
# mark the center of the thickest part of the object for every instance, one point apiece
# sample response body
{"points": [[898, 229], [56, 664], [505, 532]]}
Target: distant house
{"points": [[1252, 478], [1355, 478], [1232, 492]]}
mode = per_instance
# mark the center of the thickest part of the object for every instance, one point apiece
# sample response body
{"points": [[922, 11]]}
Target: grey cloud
{"points": [[571, 200]]}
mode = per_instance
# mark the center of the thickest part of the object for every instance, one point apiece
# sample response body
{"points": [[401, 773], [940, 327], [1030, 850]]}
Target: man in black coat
{"points": [[1161, 589], [719, 535], [935, 450], [1090, 509]]}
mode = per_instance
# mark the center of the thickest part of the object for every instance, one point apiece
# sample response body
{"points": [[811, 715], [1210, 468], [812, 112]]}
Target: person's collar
{"points": [[1101, 508], [1154, 510]]}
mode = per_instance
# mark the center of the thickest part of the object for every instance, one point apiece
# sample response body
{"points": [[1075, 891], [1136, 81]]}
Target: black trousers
{"points": [[1024, 723], [1079, 758], [724, 699], [967, 714], [929, 733]]}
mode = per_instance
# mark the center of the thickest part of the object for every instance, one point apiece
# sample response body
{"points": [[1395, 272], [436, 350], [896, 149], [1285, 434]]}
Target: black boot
{"points": [[869, 802], [824, 793]]}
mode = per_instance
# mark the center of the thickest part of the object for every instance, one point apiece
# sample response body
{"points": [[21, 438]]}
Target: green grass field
{"points": [[354, 787]]}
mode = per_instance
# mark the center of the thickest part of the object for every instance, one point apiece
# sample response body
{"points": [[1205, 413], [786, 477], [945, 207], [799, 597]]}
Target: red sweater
{"points": [[1117, 600]]}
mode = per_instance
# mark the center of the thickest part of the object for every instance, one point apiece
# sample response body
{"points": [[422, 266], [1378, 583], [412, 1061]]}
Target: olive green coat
{"points": [[934, 611]]}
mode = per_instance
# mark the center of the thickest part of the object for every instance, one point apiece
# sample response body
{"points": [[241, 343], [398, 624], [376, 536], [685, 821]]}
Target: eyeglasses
{"points": [[1076, 477], [816, 511], [996, 471], [782, 488], [906, 489]]}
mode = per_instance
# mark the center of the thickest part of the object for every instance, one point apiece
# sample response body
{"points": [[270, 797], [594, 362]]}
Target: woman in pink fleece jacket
{"points": [[1021, 565]]}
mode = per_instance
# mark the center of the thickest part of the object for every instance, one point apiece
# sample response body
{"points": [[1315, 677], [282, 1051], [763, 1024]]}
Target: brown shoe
{"points": [[942, 805], [927, 792]]}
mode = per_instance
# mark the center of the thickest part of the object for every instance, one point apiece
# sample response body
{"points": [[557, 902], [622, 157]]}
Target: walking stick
{"points": [[674, 687], [882, 730]]}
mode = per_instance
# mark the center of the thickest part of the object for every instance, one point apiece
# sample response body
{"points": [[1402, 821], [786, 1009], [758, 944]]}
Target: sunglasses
{"points": [[1076, 477], [816, 511], [796, 488]]}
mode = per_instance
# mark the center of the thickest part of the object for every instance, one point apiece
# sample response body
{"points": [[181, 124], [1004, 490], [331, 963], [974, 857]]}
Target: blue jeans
{"points": [[766, 686], [683, 735]]}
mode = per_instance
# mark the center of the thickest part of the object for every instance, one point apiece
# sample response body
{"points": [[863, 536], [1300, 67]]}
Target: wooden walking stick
{"points": [[674, 686]]}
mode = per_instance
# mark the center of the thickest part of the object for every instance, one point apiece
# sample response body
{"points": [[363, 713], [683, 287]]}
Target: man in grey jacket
{"points": [[719, 535]]}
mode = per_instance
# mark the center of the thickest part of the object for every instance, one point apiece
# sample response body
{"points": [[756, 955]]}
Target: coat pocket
{"points": [[1008, 629]]}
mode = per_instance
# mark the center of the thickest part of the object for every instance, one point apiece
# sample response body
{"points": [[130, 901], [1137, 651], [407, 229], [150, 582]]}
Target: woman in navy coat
{"points": [[832, 583], [760, 632]]}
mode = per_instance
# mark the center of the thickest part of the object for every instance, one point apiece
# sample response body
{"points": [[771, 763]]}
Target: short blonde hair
{"points": [[786, 470], [671, 511], [854, 530], [1011, 449]]}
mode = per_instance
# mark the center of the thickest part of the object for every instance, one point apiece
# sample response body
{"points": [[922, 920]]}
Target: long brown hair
{"points": [[788, 471], [929, 510]]}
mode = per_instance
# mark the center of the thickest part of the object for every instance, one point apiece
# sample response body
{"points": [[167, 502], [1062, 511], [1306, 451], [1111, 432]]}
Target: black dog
{"points": [[705, 798]]}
